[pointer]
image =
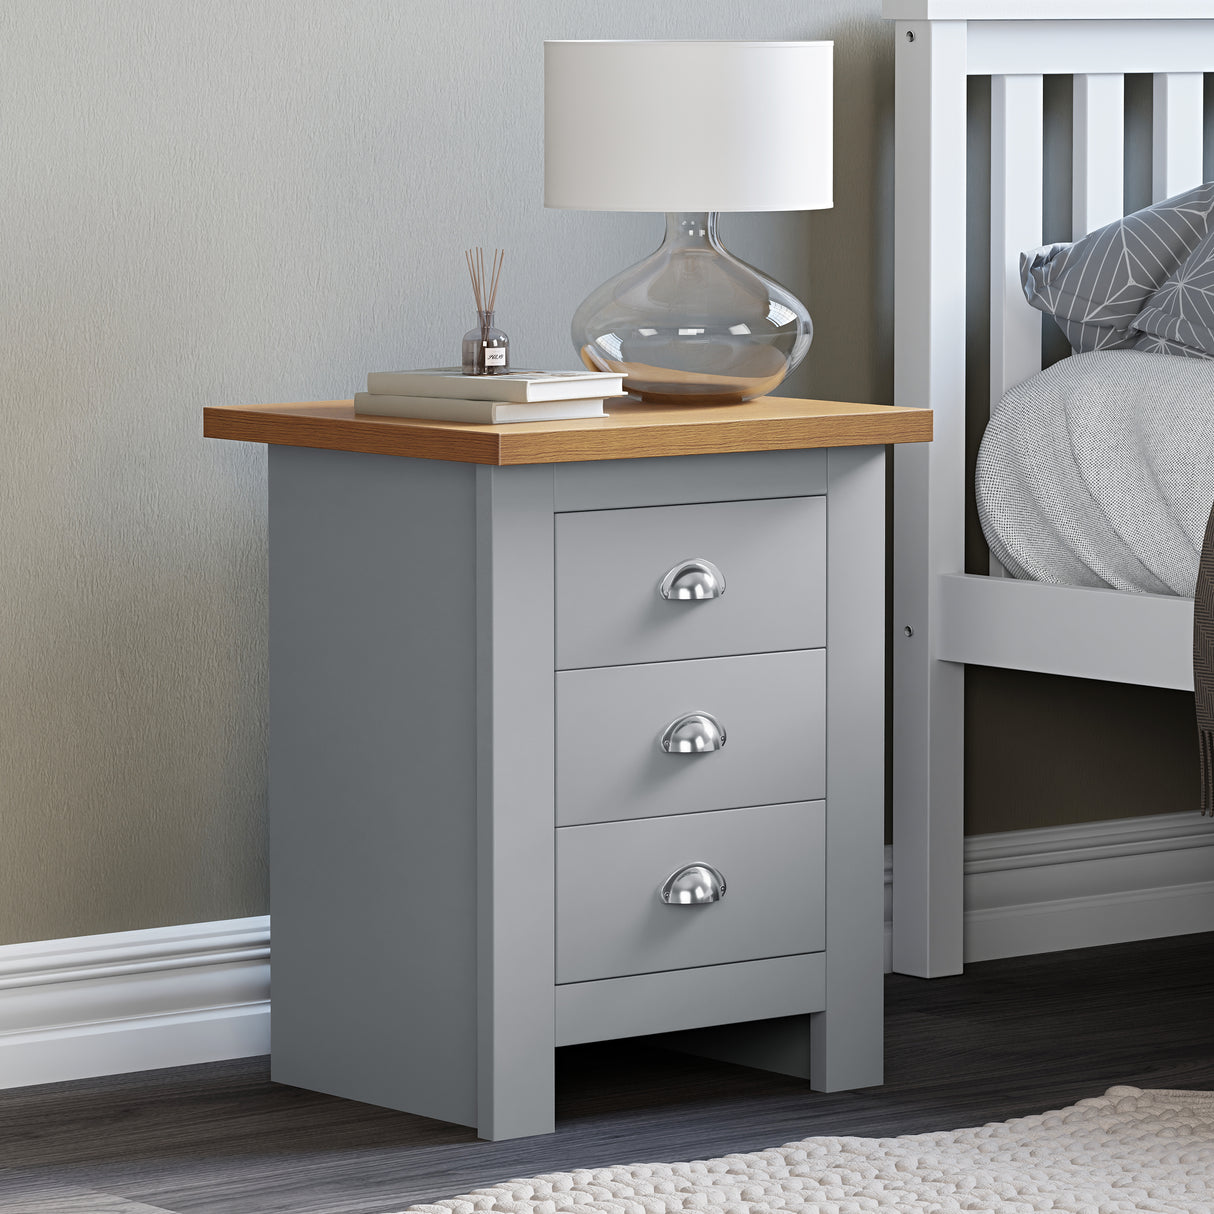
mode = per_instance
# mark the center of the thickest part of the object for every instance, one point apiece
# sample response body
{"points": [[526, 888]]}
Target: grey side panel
{"points": [[610, 563], [652, 1003], [372, 784], [610, 764], [611, 484], [514, 765], [611, 921], [846, 1042]]}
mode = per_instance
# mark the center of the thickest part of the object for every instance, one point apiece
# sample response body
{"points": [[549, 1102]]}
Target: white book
{"points": [[489, 412], [514, 387]]}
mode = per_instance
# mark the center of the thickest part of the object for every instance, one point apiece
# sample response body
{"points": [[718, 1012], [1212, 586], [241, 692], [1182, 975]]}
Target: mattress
{"points": [[1099, 471]]}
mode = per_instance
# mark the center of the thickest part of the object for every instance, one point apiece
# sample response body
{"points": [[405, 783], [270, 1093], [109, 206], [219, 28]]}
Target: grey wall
{"points": [[212, 203]]}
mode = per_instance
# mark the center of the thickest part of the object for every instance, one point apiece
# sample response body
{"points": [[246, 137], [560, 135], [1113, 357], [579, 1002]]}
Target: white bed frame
{"points": [[944, 618]]}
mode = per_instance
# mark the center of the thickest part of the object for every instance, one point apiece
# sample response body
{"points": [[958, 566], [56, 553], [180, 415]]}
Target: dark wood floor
{"points": [[1006, 1039]]}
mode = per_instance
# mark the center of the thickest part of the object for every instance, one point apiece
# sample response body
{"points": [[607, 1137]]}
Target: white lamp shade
{"points": [[688, 126]]}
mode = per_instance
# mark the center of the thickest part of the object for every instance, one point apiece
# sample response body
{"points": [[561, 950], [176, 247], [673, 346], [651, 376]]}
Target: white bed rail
{"points": [[929, 495], [1042, 10], [944, 618], [1080, 631]]}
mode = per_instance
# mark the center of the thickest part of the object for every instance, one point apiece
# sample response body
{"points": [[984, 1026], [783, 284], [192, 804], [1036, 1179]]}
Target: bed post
{"points": [[929, 493]]}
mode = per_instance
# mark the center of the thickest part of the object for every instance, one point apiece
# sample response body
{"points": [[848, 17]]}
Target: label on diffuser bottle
{"points": [[495, 358]]}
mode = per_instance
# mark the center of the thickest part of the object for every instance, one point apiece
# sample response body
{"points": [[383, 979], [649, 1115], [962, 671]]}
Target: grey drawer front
{"points": [[610, 764], [609, 564], [611, 922]]}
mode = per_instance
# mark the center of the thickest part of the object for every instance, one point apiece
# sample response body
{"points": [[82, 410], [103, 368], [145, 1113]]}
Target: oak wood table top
{"points": [[629, 431]]}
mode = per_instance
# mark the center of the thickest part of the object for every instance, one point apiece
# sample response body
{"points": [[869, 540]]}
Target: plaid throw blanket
{"points": [[1203, 665]]}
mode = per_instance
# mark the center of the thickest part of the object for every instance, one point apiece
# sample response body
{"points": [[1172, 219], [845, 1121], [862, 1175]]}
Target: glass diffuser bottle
{"points": [[486, 349]]}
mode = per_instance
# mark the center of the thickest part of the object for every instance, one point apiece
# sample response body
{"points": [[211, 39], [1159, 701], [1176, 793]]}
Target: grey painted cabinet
{"points": [[493, 741]]}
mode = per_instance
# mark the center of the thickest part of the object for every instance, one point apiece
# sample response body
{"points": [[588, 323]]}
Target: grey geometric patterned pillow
{"points": [[1161, 345], [1096, 287], [1179, 317]]}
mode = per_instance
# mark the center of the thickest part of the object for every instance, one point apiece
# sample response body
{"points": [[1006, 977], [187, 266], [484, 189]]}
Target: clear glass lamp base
{"points": [[692, 324]]}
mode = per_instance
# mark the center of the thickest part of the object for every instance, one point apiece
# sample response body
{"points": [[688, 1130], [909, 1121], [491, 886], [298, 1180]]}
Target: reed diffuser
{"points": [[486, 349]]}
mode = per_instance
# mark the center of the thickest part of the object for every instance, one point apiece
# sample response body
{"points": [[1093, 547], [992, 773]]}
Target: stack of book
{"points": [[446, 394]]}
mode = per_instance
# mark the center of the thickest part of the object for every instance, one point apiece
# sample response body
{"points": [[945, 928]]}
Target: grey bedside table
{"points": [[520, 740]]}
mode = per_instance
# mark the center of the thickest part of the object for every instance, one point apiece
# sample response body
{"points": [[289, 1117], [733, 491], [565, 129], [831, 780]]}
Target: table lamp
{"points": [[690, 129]]}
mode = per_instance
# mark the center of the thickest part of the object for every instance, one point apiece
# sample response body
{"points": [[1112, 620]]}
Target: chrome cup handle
{"points": [[693, 579], [693, 885], [694, 733]]}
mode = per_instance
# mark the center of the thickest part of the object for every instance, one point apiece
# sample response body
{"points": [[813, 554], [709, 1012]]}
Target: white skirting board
{"points": [[1061, 887], [134, 1001]]}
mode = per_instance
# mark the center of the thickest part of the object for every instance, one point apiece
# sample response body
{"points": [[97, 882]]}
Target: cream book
{"points": [[486, 412], [513, 387]]}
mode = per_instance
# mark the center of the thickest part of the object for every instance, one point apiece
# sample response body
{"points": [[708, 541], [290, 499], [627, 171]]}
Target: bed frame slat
{"points": [[1098, 195], [1016, 206], [1016, 176], [1177, 143]]}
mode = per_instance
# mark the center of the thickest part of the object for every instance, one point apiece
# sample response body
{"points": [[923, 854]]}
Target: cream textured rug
{"points": [[1125, 1152]]}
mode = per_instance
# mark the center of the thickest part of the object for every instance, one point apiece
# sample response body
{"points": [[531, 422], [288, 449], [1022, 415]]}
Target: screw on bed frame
{"points": [[910, 35], [908, 631]]}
